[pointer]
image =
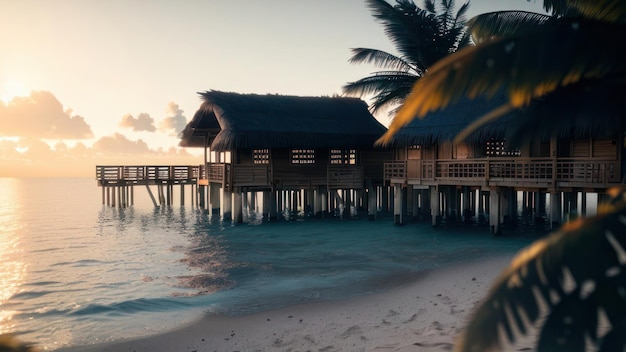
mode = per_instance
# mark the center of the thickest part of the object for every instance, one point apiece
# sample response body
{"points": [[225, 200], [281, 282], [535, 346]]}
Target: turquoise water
{"points": [[76, 272]]}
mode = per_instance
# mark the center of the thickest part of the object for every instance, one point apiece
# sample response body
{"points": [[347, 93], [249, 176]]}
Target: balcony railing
{"points": [[571, 171], [146, 174], [228, 175]]}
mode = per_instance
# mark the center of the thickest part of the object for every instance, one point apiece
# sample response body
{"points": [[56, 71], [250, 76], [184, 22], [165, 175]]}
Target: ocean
{"points": [[76, 272]]}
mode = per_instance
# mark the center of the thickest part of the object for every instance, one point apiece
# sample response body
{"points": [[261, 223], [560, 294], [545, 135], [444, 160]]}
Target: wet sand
{"points": [[424, 315]]}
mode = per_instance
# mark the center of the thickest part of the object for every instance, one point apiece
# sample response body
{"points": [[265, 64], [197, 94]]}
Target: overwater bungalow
{"points": [[312, 154], [485, 174]]}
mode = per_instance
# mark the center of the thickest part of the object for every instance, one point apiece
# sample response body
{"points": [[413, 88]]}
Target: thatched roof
{"points": [[573, 112], [246, 121]]}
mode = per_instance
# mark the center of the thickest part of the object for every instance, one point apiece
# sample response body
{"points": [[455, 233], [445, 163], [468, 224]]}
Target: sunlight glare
{"points": [[12, 268], [11, 89]]}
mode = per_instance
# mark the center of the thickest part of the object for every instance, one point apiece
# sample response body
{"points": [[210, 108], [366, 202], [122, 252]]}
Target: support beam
{"points": [[384, 203], [317, 203], [398, 206], [227, 205], [540, 205], [494, 211], [201, 197], [555, 210], [273, 213], [434, 206], [324, 200], [372, 205], [583, 203], [152, 196], [237, 206], [214, 191]]}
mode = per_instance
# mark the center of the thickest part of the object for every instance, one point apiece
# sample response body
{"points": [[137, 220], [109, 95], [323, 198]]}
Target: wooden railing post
{"points": [[487, 170]]}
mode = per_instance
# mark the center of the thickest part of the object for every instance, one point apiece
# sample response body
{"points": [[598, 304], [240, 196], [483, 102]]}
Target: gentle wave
{"points": [[31, 294], [132, 306], [85, 262]]}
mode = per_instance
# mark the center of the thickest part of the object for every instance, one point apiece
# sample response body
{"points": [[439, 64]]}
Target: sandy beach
{"points": [[424, 315]]}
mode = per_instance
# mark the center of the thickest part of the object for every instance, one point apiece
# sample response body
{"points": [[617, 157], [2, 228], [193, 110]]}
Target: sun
{"points": [[11, 89]]}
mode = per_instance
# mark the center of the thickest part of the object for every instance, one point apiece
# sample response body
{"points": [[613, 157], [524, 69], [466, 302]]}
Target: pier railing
{"points": [[146, 175], [571, 172]]}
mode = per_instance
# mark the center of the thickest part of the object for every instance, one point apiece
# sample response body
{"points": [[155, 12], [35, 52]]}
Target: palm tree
{"points": [[532, 59], [421, 36], [549, 69]]}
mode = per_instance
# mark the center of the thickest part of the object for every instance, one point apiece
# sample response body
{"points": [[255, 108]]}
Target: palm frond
{"points": [[429, 5], [525, 67], [388, 99], [573, 111], [388, 86], [380, 81], [380, 59], [400, 29], [569, 324], [584, 258], [504, 23], [615, 340], [613, 11], [460, 18]]}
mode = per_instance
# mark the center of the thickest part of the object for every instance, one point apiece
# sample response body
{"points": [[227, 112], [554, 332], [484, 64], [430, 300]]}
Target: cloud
{"points": [[20, 157], [143, 122], [120, 144], [174, 121], [41, 115]]}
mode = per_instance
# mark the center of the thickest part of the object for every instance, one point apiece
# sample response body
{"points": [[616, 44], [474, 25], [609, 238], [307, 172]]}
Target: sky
{"points": [[92, 82]]}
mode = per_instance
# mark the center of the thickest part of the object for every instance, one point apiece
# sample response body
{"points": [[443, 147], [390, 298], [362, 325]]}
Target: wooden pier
{"points": [[118, 183], [215, 196]]}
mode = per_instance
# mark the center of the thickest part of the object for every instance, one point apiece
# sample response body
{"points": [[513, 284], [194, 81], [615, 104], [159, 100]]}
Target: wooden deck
{"points": [[118, 182], [109, 176], [508, 172]]}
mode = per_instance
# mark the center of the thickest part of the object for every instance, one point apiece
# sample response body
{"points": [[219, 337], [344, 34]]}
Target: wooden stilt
{"points": [[227, 205], [372, 205], [435, 210], [238, 198], [495, 209], [273, 215], [555, 209], [398, 211], [583, 203], [214, 198]]}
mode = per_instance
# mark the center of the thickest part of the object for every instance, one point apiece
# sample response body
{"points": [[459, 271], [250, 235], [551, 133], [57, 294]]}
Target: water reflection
{"points": [[199, 249], [12, 268]]}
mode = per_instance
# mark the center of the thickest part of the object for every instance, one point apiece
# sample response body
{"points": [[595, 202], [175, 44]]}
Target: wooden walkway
{"points": [[118, 182]]}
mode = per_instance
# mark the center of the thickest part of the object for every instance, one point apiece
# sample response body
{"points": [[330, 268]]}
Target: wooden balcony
{"points": [[263, 176], [510, 172], [216, 173], [146, 175]]}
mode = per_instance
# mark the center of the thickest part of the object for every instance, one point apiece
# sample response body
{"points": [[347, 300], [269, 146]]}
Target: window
{"points": [[303, 156], [219, 157], [498, 148], [414, 152], [261, 156], [343, 156]]}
